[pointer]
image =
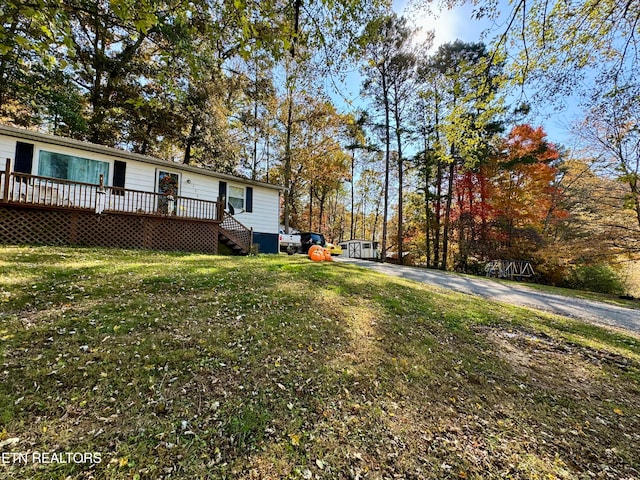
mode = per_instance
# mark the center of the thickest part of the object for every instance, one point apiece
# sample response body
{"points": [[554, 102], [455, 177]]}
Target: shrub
{"points": [[595, 278]]}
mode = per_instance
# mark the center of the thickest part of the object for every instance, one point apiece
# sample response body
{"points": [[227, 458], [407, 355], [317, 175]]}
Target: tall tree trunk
{"points": [[387, 141], [427, 179], [374, 230], [311, 207], [322, 200], [145, 143], [447, 217], [635, 191], [438, 215], [95, 98], [483, 234], [190, 141], [267, 156], [438, 208], [363, 209], [353, 168], [400, 184], [287, 162], [254, 154]]}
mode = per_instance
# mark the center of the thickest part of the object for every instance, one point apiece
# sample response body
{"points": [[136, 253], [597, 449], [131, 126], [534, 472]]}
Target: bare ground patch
{"points": [[557, 364]]}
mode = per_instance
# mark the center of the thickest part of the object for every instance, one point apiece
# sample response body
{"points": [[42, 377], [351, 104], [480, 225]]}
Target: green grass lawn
{"points": [[193, 366], [585, 295]]}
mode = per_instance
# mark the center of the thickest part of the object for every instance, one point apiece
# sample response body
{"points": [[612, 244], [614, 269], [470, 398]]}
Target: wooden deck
{"points": [[25, 191]]}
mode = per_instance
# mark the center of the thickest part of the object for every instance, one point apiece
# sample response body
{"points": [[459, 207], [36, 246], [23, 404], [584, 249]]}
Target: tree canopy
{"points": [[439, 159]]}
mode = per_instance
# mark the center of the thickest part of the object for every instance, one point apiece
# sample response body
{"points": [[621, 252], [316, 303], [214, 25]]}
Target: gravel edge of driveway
{"points": [[604, 314]]}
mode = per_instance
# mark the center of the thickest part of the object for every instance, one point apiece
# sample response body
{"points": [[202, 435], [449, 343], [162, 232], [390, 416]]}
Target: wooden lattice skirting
{"points": [[24, 225]]}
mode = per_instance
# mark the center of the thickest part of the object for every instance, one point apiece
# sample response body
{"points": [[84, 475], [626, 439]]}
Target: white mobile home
{"points": [[51, 172], [364, 249]]}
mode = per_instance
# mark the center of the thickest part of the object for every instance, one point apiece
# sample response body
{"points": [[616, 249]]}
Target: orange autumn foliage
{"points": [[523, 178], [505, 206]]}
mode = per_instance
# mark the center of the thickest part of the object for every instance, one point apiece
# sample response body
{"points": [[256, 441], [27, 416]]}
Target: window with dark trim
{"points": [[222, 192], [248, 200], [236, 197]]}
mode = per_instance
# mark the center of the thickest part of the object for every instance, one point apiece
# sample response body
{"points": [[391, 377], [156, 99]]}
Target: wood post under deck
{"points": [[7, 180]]}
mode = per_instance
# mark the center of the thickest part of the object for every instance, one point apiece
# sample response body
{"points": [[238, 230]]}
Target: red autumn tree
{"points": [[523, 195], [504, 207], [473, 215]]}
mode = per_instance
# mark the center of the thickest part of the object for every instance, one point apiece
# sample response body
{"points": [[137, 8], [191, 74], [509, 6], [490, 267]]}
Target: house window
{"points": [[236, 197], [69, 167]]}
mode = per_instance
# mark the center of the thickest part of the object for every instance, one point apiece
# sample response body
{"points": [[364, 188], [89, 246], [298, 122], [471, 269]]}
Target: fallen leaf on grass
{"points": [[295, 439]]}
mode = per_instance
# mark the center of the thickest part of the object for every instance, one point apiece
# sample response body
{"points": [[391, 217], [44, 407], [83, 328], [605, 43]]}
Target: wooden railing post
{"points": [[220, 210], [7, 180]]}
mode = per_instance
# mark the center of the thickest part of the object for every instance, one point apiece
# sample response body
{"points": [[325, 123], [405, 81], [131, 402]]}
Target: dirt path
{"points": [[514, 293]]}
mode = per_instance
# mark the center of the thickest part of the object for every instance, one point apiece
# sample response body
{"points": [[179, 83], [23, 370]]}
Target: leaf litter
{"points": [[175, 365]]}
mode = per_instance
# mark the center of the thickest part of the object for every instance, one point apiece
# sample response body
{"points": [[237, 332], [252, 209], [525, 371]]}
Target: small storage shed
{"points": [[364, 249]]}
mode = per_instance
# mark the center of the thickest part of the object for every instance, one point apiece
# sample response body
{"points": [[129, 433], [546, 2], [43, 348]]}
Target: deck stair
{"points": [[235, 235]]}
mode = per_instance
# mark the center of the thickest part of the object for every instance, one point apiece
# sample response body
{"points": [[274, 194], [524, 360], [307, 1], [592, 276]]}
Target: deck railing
{"points": [[47, 192], [22, 188], [237, 232], [149, 203]]}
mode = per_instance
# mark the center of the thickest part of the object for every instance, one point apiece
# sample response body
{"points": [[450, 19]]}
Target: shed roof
{"points": [[116, 152], [358, 240]]}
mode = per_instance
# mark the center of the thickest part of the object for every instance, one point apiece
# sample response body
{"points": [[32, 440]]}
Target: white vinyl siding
{"points": [[266, 211], [264, 217], [7, 150]]}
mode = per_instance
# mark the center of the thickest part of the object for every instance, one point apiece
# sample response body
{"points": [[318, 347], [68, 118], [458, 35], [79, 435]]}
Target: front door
{"points": [[355, 250], [168, 185]]}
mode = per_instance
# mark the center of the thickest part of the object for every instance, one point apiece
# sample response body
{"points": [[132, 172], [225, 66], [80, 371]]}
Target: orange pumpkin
{"points": [[317, 255], [327, 255], [313, 248]]}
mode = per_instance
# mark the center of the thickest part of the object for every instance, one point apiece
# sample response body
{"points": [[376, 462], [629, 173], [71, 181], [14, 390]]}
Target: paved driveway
{"points": [[513, 293]]}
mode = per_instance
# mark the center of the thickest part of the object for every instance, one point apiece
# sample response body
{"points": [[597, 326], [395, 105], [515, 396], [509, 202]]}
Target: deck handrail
{"points": [[27, 189], [237, 232]]}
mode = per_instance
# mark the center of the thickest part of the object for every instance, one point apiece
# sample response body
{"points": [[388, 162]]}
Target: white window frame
{"points": [[230, 189]]}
